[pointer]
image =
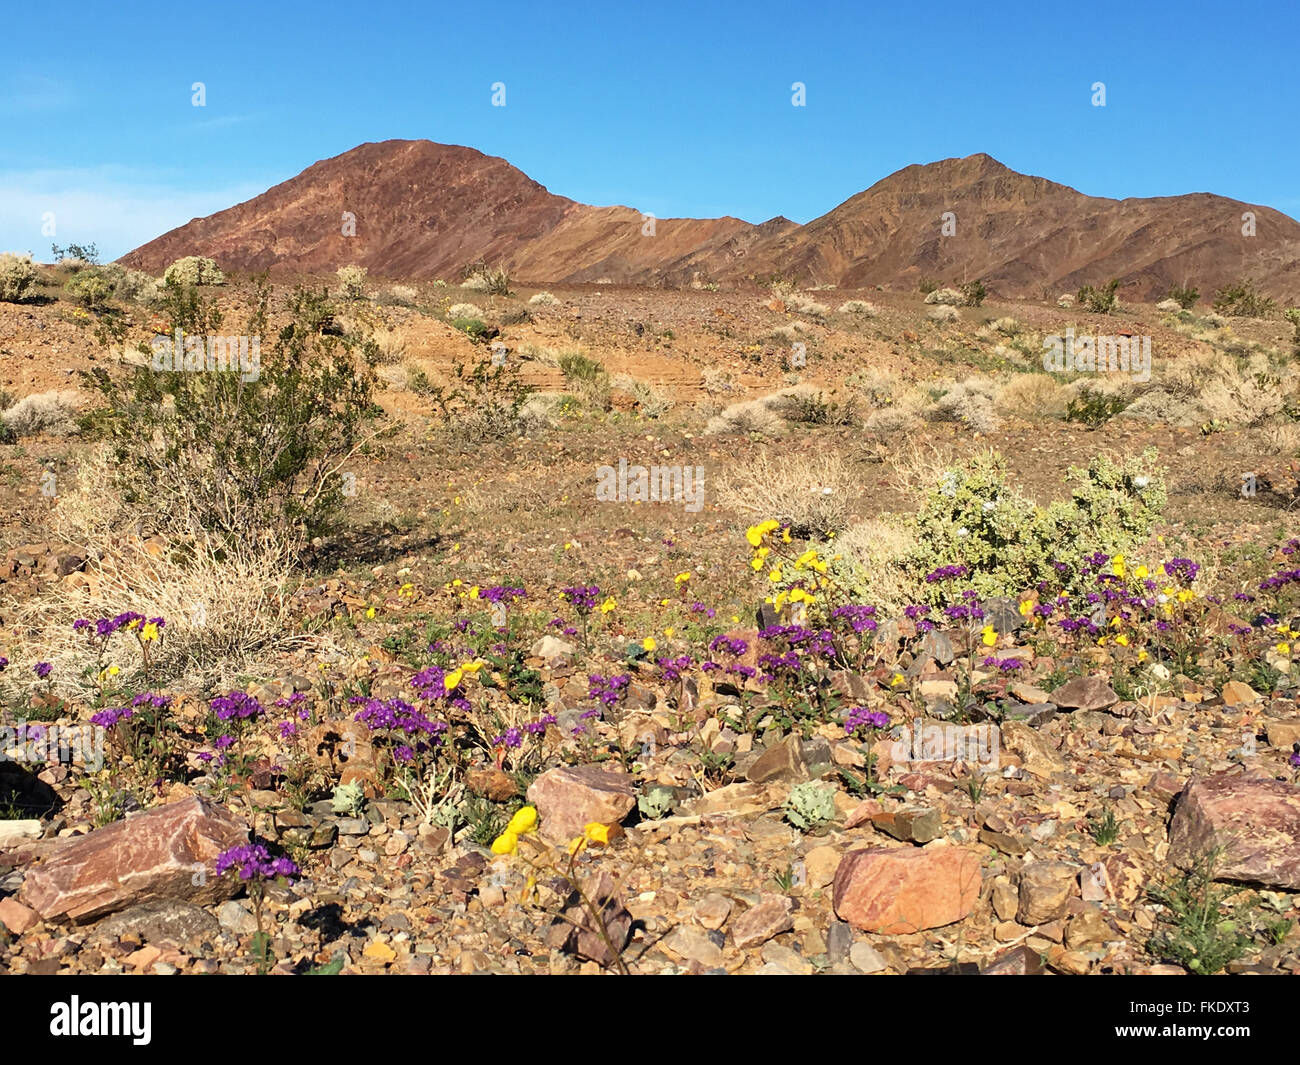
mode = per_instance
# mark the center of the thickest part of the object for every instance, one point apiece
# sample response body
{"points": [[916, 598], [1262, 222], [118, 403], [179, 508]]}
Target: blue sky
{"points": [[678, 109]]}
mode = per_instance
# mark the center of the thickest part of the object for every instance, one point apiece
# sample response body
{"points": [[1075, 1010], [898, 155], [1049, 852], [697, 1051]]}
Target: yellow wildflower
{"points": [[1283, 648], [525, 820], [452, 680], [149, 632], [649, 643], [988, 636], [506, 843], [1122, 640], [576, 844], [1140, 572], [608, 605], [370, 613], [596, 832], [681, 578], [1117, 565]]}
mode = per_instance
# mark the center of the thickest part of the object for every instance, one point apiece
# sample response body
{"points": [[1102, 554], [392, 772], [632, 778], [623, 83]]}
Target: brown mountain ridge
{"points": [[425, 210]]}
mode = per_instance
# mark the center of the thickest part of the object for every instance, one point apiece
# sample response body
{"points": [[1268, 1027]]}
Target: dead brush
{"points": [[809, 491]]}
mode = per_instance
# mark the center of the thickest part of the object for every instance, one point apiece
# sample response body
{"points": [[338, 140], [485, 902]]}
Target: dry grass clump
{"points": [[1279, 438], [803, 304], [53, 413], [543, 299], [404, 295], [1031, 395], [464, 310], [858, 308], [970, 402], [1240, 391], [475, 284], [717, 382], [808, 490], [943, 314], [872, 551], [748, 416], [651, 400], [391, 344]]}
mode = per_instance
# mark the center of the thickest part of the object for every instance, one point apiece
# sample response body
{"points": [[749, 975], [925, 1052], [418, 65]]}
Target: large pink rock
{"points": [[897, 890], [165, 853], [1254, 823], [568, 798]]}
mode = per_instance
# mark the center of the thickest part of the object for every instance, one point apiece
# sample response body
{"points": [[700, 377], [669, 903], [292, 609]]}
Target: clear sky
{"points": [[678, 109]]}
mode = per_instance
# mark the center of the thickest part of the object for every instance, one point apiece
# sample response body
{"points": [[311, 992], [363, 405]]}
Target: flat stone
{"points": [[866, 958], [912, 824], [1255, 824], [1237, 693], [898, 891], [1085, 693], [1038, 757], [237, 918], [569, 798], [164, 922], [770, 917], [691, 944], [1282, 734], [168, 852], [1018, 961], [783, 761], [713, 910], [12, 832], [16, 917]]}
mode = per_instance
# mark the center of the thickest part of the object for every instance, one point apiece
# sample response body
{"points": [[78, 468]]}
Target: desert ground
{"points": [[926, 657]]}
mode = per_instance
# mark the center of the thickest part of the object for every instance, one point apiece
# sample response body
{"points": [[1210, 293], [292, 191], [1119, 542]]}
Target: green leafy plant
{"points": [[1101, 300], [1104, 829], [1094, 409], [655, 803], [1185, 296], [1242, 299], [810, 805], [1201, 932]]}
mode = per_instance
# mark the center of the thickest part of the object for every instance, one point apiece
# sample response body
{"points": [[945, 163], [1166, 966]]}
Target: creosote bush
{"points": [[352, 282], [211, 451], [17, 274], [1099, 300], [1243, 300], [194, 270]]}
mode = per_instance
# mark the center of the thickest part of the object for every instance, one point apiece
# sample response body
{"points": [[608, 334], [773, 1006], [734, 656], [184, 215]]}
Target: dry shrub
{"points": [[717, 382], [749, 416], [801, 304], [808, 490], [1216, 384], [391, 344], [404, 295], [225, 608], [652, 401], [1279, 438], [52, 412], [858, 307], [943, 314], [543, 299], [872, 552], [1031, 395], [464, 310], [969, 402], [475, 284]]}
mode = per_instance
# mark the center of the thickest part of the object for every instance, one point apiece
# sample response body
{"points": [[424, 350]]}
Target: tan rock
{"points": [[1038, 757], [759, 923], [1238, 693], [1045, 890], [570, 797], [16, 917], [900, 890]]}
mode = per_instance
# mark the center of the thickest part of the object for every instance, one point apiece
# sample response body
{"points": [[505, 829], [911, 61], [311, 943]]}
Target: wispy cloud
{"points": [[26, 93], [113, 207]]}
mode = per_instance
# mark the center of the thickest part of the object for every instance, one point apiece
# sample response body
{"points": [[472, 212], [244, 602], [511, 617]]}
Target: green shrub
{"points": [[194, 270], [90, 289], [974, 517], [352, 282], [17, 273], [586, 378], [1094, 409], [486, 401], [475, 328], [1200, 928], [87, 254], [241, 455], [1101, 300], [1242, 300], [1185, 296], [973, 293]]}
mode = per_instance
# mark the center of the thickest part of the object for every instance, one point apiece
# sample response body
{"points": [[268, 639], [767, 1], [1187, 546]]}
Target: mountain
{"points": [[424, 210]]}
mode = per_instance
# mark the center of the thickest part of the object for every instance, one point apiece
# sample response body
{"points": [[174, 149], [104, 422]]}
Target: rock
{"points": [[1003, 841], [492, 783], [576, 933], [866, 959], [378, 951], [168, 852], [1084, 693], [938, 646], [237, 918], [12, 832], [713, 910], [897, 891], [1254, 823], [912, 824], [1282, 734], [1165, 787], [1035, 715], [820, 864], [1045, 889], [552, 650], [166, 923], [1019, 961], [1089, 929], [1237, 693], [787, 958], [1006, 899], [1037, 755], [16, 917], [770, 917], [1003, 614], [949, 297], [568, 798], [691, 944], [839, 940], [782, 761], [736, 799]]}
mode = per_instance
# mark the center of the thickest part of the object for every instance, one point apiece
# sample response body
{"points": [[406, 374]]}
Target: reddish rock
{"points": [[1254, 823], [1085, 693], [492, 784], [897, 891], [578, 933], [568, 798], [758, 924], [165, 853], [16, 917]]}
